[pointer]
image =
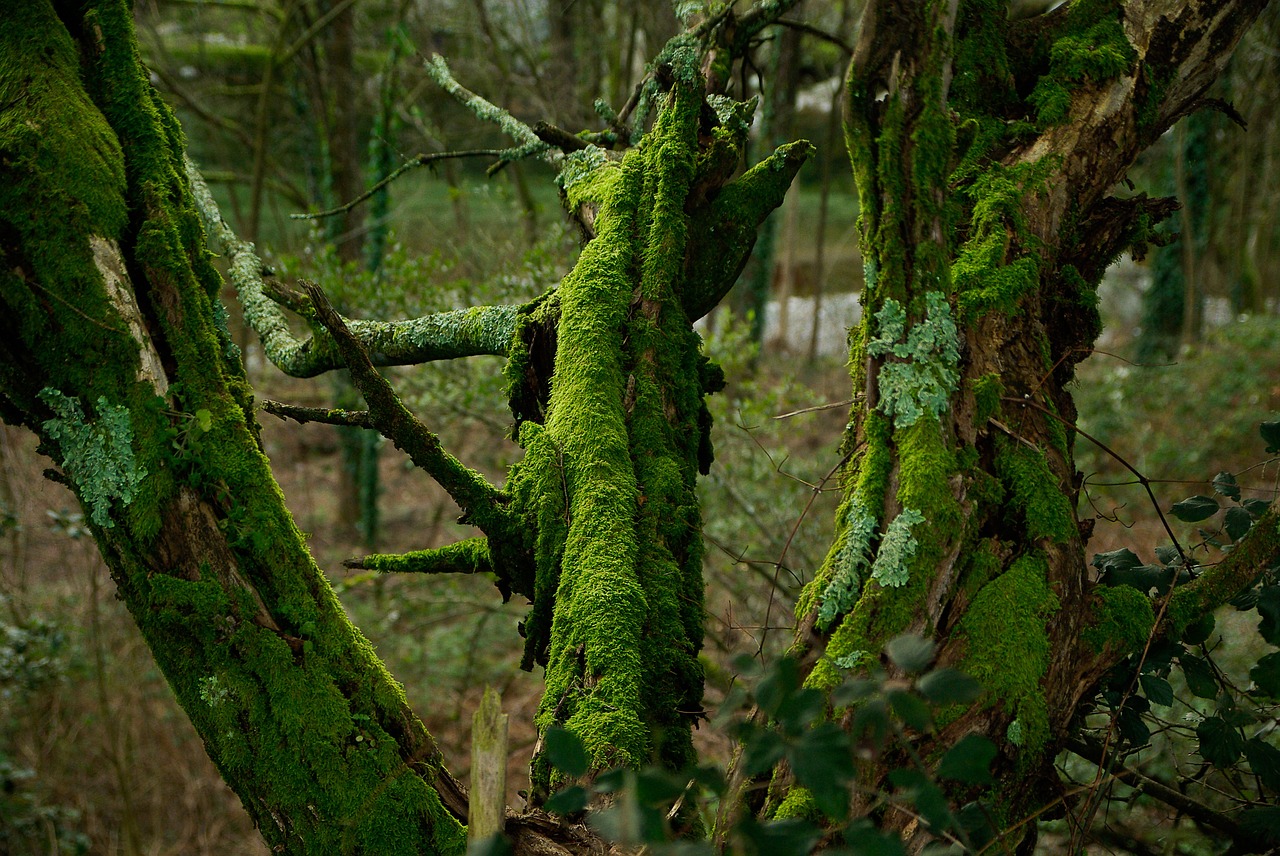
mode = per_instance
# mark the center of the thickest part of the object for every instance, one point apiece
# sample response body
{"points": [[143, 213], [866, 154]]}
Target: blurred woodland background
{"points": [[294, 106]]}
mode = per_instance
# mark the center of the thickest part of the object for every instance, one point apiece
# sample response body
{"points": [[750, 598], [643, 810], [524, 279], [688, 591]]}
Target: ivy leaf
{"points": [[1224, 484], [1237, 522], [949, 686], [1220, 744], [823, 761], [1199, 630], [866, 840], [969, 760], [1266, 674], [910, 653], [1199, 675], [494, 845], [1193, 509], [1264, 760], [911, 709], [1131, 726], [1269, 609], [780, 838], [762, 752], [1262, 822], [1116, 560], [565, 752], [571, 800], [1167, 554], [1157, 690], [1256, 507], [1270, 432]]}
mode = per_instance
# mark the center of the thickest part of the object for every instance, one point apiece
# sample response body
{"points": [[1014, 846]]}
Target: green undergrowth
{"points": [[1181, 421]]}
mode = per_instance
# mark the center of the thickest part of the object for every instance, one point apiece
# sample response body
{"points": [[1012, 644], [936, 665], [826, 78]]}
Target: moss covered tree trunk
{"points": [[115, 353], [986, 153]]}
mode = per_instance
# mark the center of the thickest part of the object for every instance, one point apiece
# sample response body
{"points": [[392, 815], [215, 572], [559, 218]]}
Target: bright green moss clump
{"points": [[1035, 492], [1093, 49], [1008, 646], [1122, 618]]}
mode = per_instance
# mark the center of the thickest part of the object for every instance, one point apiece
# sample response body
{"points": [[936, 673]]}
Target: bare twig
{"points": [[413, 163]]}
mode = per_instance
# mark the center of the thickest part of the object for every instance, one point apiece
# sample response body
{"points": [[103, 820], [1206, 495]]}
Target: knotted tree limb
{"points": [[439, 336], [483, 505]]}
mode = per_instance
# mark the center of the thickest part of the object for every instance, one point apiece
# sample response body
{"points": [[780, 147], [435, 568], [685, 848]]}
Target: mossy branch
{"points": [[721, 243], [329, 416], [1217, 584], [527, 142], [482, 503], [463, 557], [440, 336]]}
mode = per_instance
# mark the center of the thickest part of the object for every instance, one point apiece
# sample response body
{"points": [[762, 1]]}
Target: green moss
{"points": [[987, 392], [1034, 492], [1092, 49], [985, 278], [1122, 618], [305, 723], [799, 804], [1008, 647]]}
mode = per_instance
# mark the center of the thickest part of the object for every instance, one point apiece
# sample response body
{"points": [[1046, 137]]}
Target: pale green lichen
{"points": [[579, 167], [924, 375], [849, 563], [897, 548], [736, 116], [96, 453]]}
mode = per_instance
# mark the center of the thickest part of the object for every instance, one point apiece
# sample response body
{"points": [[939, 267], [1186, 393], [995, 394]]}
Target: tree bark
{"points": [[985, 151], [114, 355]]}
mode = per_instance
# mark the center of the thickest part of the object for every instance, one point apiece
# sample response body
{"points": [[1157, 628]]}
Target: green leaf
{"points": [[949, 686], [1199, 630], [870, 721], [565, 752], [204, 419], [1270, 432], [762, 752], [910, 652], [777, 686], [1166, 554], [1220, 744], [571, 800], [1157, 690], [799, 710], [1195, 508], [1269, 609], [1199, 675], [866, 840], [1256, 507], [1266, 674], [494, 845], [969, 760], [1264, 760], [911, 709], [1224, 484], [1131, 725], [1262, 822], [1237, 522], [1116, 560], [823, 761], [780, 838]]}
